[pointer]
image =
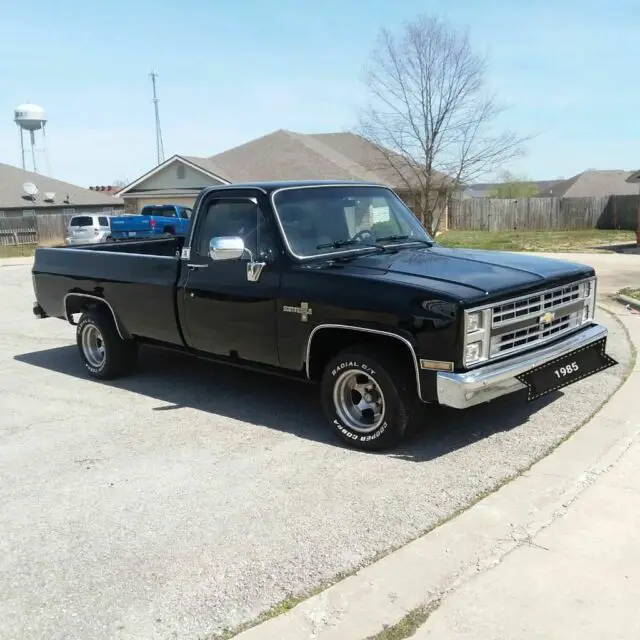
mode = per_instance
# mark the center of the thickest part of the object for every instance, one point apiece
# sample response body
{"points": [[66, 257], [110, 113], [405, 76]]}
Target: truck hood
{"points": [[468, 275]]}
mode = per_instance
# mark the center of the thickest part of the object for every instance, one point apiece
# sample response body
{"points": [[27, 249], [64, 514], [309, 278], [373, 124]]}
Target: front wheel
{"points": [[368, 398], [104, 353]]}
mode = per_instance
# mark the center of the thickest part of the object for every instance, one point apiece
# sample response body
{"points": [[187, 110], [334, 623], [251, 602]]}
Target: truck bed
{"points": [[136, 278]]}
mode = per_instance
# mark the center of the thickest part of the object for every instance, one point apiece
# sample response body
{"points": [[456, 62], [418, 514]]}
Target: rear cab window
{"points": [[166, 212]]}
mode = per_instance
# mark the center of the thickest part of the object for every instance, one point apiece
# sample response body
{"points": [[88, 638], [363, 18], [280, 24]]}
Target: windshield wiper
{"points": [[398, 238], [338, 244]]}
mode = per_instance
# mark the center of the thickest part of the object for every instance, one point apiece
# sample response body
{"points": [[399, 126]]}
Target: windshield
{"points": [[324, 220]]}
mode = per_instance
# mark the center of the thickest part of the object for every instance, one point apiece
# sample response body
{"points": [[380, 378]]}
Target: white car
{"points": [[89, 229]]}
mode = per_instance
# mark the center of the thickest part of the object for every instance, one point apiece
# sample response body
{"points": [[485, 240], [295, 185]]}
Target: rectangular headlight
{"points": [[474, 321], [473, 352]]}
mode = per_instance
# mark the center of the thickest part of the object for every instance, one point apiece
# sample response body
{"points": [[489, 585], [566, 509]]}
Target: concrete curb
{"points": [[632, 302], [16, 262], [427, 569]]}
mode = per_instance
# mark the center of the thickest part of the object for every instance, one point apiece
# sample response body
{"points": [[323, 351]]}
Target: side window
{"points": [[241, 217], [103, 221]]}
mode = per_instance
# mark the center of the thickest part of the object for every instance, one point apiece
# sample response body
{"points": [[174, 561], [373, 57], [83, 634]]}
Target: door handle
{"points": [[197, 266]]}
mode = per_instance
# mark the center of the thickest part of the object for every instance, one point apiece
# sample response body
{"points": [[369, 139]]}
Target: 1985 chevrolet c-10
{"points": [[334, 282]]}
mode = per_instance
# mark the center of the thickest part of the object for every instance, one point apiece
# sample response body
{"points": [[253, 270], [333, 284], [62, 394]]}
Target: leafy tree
{"points": [[512, 186]]}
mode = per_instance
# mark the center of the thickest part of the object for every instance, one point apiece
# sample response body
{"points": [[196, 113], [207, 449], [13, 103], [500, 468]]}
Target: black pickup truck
{"points": [[336, 283]]}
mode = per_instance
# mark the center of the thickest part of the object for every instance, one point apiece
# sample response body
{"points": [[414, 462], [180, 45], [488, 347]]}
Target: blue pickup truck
{"points": [[154, 220]]}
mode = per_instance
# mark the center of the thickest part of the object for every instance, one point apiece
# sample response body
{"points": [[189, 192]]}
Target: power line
{"points": [[159, 145]]}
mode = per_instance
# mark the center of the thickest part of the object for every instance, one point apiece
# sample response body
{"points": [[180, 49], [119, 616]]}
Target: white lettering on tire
{"points": [[353, 365], [81, 325], [355, 436]]}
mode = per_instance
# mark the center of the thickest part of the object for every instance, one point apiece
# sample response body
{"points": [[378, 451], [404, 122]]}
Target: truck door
{"points": [[228, 307]]}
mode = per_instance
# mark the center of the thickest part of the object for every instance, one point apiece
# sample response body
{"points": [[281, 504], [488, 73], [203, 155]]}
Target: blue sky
{"points": [[232, 71]]}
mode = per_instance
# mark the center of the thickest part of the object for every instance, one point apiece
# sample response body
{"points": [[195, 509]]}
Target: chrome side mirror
{"points": [[226, 248]]}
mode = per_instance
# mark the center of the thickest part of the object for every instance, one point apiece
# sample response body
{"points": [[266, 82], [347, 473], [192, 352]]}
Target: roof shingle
{"points": [[12, 195], [594, 183], [286, 155]]}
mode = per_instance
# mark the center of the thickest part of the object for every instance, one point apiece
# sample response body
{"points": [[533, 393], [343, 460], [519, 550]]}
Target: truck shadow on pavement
{"points": [[180, 381]]}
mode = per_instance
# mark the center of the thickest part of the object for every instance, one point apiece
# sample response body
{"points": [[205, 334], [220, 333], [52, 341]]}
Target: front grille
{"points": [[506, 343], [527, 321], [535, 305]]}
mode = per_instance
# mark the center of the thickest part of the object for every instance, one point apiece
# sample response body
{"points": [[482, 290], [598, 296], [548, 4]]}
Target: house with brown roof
{"points": [[281, 155], [52, 196]]}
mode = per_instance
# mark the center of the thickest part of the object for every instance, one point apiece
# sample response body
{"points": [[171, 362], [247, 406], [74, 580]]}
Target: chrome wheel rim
{"points": [[359, 401], [93, 346]]}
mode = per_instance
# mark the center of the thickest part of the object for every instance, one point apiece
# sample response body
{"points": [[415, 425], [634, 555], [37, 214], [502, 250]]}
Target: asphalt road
{"points": [[190, 497]]}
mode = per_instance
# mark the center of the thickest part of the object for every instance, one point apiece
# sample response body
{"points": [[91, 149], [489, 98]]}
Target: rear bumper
{"points": [[90, 240], [462, 390], [125, 235]]}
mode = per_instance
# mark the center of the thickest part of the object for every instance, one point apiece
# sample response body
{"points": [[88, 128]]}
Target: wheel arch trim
{"points": [[379, 332], [121, 331]]}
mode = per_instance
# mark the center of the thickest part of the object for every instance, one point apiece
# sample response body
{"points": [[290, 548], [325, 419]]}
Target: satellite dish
{"points": [[29, 188], [49, 196]]}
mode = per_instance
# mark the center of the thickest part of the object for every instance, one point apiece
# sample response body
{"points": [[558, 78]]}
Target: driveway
{"points": [[191, 497], [614, 270]]}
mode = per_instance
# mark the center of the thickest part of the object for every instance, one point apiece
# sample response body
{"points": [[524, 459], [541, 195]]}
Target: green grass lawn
{"points": [[631, 293], [584, 240], [17, 251]]}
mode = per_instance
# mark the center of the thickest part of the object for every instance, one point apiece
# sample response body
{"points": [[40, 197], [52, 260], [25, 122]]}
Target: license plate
{"points": [[132, 234], [567, 369]]}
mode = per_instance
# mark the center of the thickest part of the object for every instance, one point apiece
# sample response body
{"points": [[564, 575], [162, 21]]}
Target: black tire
{"points": [[109, 239], [392, 382], [97, 330]]}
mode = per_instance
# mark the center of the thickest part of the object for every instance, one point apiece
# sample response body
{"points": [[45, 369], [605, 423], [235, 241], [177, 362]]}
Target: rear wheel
{"points": [[104, 353], [368, 397]]}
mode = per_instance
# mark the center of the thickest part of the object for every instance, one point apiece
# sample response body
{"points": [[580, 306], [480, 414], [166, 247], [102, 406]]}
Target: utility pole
{"points": [[159, 145]]}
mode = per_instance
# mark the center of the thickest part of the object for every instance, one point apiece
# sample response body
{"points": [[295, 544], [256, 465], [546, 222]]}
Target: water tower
{"points": [[30, 117]]}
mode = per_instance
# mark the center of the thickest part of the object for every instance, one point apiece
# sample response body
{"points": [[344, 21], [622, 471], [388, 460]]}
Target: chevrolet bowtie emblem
{"points": [[547, 318]]}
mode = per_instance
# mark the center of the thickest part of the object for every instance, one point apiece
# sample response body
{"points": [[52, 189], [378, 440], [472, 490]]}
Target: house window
{"points": [[180, 172], [69, 211], [28, 212]]}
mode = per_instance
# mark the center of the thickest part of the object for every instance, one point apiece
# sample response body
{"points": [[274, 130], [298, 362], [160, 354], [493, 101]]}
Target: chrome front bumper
{"points": [[462, 390]]}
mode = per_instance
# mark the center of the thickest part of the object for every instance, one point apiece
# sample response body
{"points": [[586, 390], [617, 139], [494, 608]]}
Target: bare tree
{"points": [[430, 115]]}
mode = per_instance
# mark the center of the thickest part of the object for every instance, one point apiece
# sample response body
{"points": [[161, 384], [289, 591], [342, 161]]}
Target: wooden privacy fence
{"points": [[494, 214], [15, 231], [44, 229], [486, 214], [52, 228]]}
